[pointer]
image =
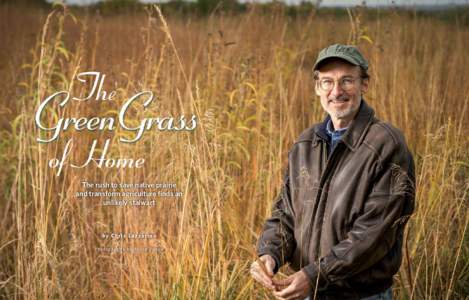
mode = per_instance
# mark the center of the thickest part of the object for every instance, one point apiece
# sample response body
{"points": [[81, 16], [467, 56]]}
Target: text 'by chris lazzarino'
{"points": [[135, 129]]}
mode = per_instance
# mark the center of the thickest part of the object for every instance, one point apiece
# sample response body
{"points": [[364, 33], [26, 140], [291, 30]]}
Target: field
{"points": [[247, 77]]}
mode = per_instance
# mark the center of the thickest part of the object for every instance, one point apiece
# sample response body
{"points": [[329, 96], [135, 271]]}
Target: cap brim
{"points": [[346, 58]]}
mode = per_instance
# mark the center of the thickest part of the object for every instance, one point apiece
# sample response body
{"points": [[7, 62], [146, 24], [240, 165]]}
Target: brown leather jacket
{"points": [[341, 217]]}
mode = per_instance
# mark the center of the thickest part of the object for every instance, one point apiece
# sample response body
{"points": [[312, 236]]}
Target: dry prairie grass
{"points": [[248, 79]]}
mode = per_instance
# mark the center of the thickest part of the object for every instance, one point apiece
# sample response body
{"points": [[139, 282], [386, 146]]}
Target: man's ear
{"points": [[364, 85], [316, 88]]}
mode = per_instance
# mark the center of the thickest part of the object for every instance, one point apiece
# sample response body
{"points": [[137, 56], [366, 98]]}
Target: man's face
{"points": [[340, 88]]}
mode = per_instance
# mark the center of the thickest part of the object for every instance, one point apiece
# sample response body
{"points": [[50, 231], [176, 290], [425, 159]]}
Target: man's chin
{"points": [[343, 114]]}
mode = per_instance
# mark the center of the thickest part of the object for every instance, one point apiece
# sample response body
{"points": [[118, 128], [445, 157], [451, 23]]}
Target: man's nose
{"points": [[336, 90]]}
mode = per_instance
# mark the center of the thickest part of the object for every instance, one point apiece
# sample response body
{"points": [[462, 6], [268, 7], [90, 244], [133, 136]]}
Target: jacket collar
{"points": [[356, 131]]}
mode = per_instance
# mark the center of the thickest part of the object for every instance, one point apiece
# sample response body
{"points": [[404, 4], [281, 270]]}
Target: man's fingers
{"points": [[298, 287], [259, 268], [282, 282], [267, 264], [287, 293], [260, 276], [263, 281]]}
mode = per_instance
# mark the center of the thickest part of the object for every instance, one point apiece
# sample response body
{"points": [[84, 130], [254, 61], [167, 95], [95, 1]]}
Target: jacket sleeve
{"points": [[386, 210], [277, 238]]}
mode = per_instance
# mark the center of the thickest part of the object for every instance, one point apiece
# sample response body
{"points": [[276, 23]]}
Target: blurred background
{"points": [[245, 70]]}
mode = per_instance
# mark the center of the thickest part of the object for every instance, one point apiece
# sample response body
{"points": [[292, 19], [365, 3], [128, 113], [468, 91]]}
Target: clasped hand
{"points": [[295, 286]]}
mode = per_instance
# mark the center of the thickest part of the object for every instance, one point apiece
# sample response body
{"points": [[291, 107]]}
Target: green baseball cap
{"points": [[345, 52]]}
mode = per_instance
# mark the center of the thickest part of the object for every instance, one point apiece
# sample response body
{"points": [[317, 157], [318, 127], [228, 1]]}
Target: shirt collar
{"points": [[356, 129], [331, 131]]}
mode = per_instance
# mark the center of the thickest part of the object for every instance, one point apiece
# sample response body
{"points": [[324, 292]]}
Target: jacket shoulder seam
{"points": [[373, 149], [308, 135], [389, 130]]}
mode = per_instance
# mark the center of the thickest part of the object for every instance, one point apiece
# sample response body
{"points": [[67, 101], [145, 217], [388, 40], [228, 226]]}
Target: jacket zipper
{"points": [[328, 162]]}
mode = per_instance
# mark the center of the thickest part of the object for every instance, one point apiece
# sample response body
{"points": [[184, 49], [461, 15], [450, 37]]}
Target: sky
{"points": [[380, 2], [342, 3]]}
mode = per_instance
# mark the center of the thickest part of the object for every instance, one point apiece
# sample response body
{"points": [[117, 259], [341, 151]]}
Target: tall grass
{"points": [[248, 79]]}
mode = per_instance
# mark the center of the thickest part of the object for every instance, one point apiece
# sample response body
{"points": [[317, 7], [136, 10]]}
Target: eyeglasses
{"points": [[346, 83]]}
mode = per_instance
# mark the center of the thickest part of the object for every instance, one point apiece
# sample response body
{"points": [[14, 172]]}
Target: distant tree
{"points": [[111, 6], [208, 6], [31, 2]]}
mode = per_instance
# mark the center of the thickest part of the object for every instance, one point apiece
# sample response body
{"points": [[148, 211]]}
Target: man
{"points": [[347, 194]]}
